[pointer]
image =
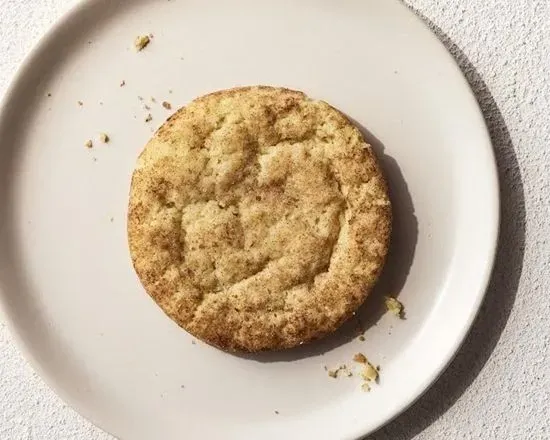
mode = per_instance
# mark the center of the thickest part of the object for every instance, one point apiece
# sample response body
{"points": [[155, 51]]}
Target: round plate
{"points": [[68, 287]]}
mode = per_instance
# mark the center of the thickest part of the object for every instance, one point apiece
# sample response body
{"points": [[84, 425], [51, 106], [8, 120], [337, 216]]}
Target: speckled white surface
{"points": [[498, 387]]}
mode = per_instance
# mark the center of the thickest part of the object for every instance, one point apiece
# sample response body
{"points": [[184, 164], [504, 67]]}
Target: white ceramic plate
{"points": [[69, 290]]}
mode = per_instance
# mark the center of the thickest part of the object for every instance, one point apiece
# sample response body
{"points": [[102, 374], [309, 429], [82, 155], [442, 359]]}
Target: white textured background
{"points": [[498, 387]]}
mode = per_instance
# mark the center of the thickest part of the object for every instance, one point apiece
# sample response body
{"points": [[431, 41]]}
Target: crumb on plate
{"points": [[167, 105], [141, 42], [394, 306], [88, 143], [103, 137], [370, 373], [148, 118], [334, 372]]}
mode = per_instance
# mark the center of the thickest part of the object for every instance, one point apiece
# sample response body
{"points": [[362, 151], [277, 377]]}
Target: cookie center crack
{"points": [[282, 218]]}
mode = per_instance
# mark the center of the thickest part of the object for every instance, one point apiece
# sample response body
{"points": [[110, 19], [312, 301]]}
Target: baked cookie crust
{"points": [[259, 219]]}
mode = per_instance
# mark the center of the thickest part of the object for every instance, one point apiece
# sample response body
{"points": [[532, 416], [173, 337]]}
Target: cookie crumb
{"points": [[146, 107], [276, 412], [334, 372], [104, 138], [80, 103], [148, 118], [153, 99], [123, 83], [365, 387], [49, 95], [394, 306], [140, 98], [167, 105], [170, 91], [112, 219], [360, 358], [88, 143], [370, 374], [193, 342], [182, 386], [362, 338], [141, 42]]}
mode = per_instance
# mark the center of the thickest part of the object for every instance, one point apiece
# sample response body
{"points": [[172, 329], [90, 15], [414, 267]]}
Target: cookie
{"points": [[259, 219]]}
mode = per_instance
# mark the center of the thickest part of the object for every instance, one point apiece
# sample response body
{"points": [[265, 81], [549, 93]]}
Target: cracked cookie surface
{"points": [[258, 219]]}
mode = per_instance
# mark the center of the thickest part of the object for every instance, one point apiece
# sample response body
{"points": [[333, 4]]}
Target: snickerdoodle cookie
{"points": [[259, 218]]}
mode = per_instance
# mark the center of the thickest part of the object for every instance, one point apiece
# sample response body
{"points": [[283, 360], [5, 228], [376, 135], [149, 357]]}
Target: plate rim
{"points": [[81, 8]]}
